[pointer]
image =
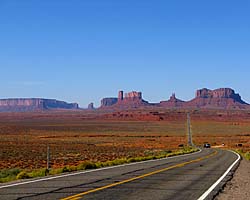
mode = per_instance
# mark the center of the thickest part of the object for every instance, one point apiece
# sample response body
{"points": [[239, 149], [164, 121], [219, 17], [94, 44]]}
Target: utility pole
{"points": [[190, 140], [48, 158]]}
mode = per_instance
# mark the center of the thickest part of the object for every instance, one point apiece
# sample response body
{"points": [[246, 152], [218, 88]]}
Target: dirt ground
{"points": [[79, 136], [238, 187]]}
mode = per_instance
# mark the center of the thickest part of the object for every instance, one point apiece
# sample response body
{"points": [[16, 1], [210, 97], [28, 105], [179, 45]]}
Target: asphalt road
{"points": [[186, 177]]}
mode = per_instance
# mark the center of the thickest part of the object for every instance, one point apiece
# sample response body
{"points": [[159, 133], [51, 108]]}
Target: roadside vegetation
{"points": [[244, 154], [7, 175]]}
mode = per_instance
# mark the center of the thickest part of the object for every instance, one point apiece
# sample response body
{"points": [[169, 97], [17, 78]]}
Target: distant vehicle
{"points": [[207, 145]]}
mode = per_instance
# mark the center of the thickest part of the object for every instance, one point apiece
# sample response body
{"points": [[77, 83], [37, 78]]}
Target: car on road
{"points": [[207, 145]]}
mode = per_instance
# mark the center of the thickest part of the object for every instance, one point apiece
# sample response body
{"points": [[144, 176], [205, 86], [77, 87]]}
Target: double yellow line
{"points": [[80, 195]]}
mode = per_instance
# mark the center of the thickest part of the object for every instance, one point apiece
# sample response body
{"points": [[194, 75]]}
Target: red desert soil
{"points": [[238, 187], [79, 136]]}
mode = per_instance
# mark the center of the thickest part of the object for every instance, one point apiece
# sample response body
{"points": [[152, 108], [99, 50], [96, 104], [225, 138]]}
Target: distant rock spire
{"points": [[120, 95], [91, 106]]}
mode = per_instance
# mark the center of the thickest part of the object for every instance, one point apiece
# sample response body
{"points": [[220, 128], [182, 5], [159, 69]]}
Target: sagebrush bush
{"points": [[247, 155], [9, 172], [23, 175], [90, 165], [38, 173], [56, 171]]}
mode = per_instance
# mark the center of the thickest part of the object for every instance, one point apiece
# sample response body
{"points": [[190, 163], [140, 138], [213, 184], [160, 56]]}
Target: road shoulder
{"points": [[238, 187]]}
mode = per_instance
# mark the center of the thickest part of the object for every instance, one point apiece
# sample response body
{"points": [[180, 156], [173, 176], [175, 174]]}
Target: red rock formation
{"points": [[106, 102], [218, 93], [132, 96], [219, 98], [120, 96], [16, 105], [223, 98], [91, 106], [173, 102], [131, 100]]}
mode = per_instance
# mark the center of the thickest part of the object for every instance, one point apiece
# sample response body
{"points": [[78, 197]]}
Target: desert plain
{"points": [[98, 136]]}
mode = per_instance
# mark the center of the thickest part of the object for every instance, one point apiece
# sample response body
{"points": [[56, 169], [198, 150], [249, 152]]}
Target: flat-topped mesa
{"points": [[133, 99], [133, 96], [108, 101], [225, 98], [32, 104], [221, 93], [55, 104], [130, 100], [38, 103]]}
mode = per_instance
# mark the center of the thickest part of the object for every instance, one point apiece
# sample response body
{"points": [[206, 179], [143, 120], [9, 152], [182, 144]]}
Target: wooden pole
{"points": [[48, 158], [190, 140]]}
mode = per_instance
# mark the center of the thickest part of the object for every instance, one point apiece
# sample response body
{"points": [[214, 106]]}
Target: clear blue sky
{"points": [[83, 50]]}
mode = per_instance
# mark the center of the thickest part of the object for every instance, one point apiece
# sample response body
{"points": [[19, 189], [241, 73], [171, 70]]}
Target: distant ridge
{"points": [[33, 104], [222, 98]]}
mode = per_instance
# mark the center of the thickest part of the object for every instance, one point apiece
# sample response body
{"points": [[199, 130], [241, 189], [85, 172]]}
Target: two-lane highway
{"points": [[184, 177]]}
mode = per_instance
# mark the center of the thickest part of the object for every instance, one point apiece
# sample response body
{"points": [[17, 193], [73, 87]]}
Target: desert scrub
{"points": [[7, 175], [15, 174], [23, 175], [38, 173], [245, 155]]}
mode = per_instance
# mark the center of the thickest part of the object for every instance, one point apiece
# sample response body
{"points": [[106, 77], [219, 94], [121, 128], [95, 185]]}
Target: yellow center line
{"points": [[80, 195]]}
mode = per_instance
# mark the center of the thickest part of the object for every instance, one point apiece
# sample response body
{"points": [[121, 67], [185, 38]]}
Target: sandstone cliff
{"points": [[133, 96], [223, 98], [33, 104], [130, 100], [108, 101], [219, 98]]}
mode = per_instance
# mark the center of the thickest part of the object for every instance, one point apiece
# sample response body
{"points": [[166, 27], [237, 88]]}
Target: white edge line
{"points": [[204, 196], [94, 170]]}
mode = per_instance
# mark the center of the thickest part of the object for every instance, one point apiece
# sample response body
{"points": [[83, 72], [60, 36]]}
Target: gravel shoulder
{"points": [[238, 187]]}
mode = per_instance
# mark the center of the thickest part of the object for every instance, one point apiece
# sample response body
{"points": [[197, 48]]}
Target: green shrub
{"points": [[69, 168], [99, 165], [81, 166], [9, 172], [247, 155], [7, 179], [56, 171], [86, 165], [90, 165], [119, 161], [38, 173], [7, 175], [130, 160], [23, 175]]}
